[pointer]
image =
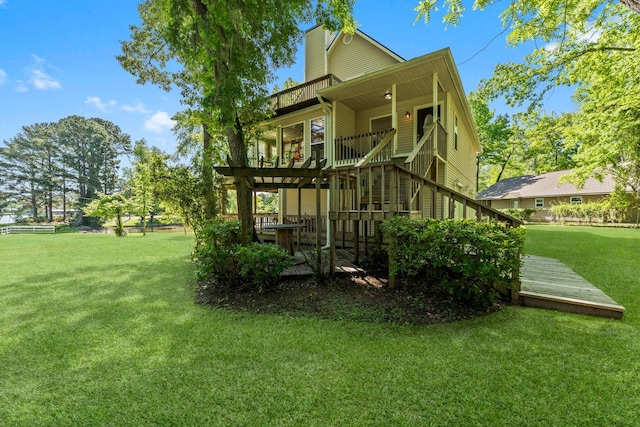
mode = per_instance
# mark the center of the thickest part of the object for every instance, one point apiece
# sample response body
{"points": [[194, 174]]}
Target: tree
{"points": [[109, 206], [29, 168], [141, 183], [227, 53], [90, 151]]}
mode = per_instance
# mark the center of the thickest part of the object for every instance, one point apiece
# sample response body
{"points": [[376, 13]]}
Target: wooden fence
{"points": [[28, 229]]}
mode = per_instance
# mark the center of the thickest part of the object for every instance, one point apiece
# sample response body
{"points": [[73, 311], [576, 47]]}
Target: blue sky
{"points": [[57, 58]]}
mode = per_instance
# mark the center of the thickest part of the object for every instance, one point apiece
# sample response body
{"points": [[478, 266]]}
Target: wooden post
{"points": [[318, 219], [356, 245], [332, 254], [299, 217]]}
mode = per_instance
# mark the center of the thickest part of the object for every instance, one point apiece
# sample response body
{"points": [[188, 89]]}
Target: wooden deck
{"points": [[548, 283], [344, 264]]}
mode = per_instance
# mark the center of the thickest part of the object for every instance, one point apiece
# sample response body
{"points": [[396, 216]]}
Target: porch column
{"points": [[435, 113], [394, 117], [299, 217]]}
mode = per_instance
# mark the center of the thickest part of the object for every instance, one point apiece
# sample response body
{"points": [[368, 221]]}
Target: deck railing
{"points": [[351, 149], [442, 140], [304, 92], [378, 192]]}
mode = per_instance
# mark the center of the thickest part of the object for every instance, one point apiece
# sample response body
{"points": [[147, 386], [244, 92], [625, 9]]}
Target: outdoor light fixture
{"points": [[407, 115], [388, 96]]}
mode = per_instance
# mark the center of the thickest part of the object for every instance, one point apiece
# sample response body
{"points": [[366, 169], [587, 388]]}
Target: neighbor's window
{"points": [[317, 138], [515, 204], [576, 200], [539, 203], [293, 143]]}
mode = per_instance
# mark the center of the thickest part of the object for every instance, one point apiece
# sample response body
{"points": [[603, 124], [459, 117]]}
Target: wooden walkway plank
{"points": [[548, 283]]}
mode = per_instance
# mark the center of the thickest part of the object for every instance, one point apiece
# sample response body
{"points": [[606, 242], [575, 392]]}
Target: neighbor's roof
{"points": [[545, 185]]}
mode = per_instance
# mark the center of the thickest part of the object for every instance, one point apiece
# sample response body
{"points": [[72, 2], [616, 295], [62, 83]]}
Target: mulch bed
{"points": [[350, 298]]}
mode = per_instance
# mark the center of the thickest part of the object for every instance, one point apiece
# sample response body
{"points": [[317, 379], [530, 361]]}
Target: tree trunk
{"points": [[210, 207], [238, 150]]}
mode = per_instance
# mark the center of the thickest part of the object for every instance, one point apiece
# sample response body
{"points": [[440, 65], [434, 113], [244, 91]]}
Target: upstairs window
{"points": [[317, 138]]}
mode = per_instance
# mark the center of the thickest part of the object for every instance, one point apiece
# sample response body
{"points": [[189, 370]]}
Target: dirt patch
{"points": [[353, 298]]}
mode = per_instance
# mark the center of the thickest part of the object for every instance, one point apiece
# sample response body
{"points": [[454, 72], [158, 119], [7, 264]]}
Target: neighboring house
{"points": [[540, 192], [367, 136]]}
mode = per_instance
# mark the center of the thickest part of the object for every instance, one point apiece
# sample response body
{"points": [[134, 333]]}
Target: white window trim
{"points": [[575, 200], [541, 200]]}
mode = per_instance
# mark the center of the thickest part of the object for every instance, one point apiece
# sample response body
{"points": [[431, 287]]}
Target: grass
{"points": [[97, 330]]}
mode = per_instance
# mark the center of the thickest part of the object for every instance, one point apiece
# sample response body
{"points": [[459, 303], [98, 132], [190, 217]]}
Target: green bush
{"points": [[261, 265], [467, 258], [223, 262], [522, 214], [581, 211]]}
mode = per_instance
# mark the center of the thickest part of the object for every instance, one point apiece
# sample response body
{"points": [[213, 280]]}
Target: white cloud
{"points": [[43, 81], [39, 78], [159, 122], [97, 102], [138, 108], [3, 74]]}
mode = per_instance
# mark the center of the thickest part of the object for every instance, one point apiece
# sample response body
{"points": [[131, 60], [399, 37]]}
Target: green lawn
{"points": [[97, 330]]}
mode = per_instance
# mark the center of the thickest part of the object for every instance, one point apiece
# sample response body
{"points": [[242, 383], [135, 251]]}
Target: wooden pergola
{"points": [[270, 179]]}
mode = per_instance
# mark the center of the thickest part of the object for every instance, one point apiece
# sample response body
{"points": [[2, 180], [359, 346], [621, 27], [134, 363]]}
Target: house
{"points": [[540, 192], [367, 136]]}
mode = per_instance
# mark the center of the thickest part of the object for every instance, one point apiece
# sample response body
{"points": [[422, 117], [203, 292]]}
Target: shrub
{"points": [[580, 211], [222, 261], [466, 258], [214, 255], [261, 265], [522, 214]]}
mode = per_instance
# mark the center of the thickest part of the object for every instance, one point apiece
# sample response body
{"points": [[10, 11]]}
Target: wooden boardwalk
{"points": [[548, 283]]}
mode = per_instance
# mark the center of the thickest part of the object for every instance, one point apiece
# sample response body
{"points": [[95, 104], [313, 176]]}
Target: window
{"points": [[455, 133], [317, 138], [515, 204], [539, 203], [293, 143], [576, 200]]}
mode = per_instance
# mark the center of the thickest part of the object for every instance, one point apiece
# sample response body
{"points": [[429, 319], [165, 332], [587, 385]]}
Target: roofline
{"points": [[590, 193], [446, 54], [370, 40]]}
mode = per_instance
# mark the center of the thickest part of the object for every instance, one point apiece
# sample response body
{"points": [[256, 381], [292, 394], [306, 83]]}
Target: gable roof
{"points": [[544, 185], [364, 36], [369, 89]]}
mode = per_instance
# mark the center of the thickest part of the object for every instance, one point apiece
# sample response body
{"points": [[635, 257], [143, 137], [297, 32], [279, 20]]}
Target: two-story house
{"points": [[367, 136]]}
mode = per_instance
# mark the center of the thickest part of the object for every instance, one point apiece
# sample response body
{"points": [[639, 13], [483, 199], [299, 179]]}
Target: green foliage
{"points": [[261, 265], [223, 262], [522, 214], [468, 258], [109, 206], [611, 210]]}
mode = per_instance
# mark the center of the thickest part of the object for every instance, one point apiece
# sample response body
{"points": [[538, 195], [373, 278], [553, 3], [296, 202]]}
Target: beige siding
{"points": [[345, 121], [308, 202], [314, 59], [356, 58], [461, 162]]}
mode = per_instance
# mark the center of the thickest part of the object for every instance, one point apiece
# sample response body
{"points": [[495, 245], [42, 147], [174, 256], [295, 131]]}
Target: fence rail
{"points": [[28, 229]]}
